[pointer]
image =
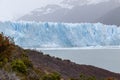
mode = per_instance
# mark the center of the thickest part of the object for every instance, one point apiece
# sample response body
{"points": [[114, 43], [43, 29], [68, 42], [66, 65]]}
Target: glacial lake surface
{"points": [[106, 58]]}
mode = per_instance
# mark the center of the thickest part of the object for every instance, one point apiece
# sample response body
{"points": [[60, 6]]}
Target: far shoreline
{"points": [[79, 48]]}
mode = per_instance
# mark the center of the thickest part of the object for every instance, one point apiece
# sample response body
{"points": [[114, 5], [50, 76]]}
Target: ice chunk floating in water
{"points": [[45, 34]]}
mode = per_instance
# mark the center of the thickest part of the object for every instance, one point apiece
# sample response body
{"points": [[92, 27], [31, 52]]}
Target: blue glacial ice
{"points": [[61, 35]]}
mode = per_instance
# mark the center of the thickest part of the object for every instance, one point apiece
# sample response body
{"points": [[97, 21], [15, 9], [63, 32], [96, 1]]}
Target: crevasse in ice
{"points": [[48, 34]]}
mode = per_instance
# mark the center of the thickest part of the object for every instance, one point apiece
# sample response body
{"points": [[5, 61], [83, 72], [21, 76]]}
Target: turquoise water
{"points": [[104, 58]]}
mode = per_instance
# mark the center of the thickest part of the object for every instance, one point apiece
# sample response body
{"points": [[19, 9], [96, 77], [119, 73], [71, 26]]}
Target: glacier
{"points": [[61, 35]]}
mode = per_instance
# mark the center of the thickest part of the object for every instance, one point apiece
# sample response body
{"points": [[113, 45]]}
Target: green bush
{"points": [[73, 79], [53, 76], [19, 66], [5, 60], [84, 77], [26, 60], [28, 63]]}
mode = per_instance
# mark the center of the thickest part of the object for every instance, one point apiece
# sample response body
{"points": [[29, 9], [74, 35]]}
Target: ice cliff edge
{"points": [[55, 35]]}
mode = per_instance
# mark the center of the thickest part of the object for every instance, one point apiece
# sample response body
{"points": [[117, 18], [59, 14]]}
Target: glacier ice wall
{"points": [[46, 34]]}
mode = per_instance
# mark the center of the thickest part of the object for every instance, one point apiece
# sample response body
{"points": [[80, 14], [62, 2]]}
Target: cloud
{"points": [[10, 9], [83, 2]]}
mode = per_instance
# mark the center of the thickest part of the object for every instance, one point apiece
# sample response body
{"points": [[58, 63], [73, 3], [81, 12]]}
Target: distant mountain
{"points": [[74, 13], [112, 17]]}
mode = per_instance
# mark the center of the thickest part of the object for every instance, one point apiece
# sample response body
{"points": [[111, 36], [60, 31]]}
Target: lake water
{"points": [[104, 58]]}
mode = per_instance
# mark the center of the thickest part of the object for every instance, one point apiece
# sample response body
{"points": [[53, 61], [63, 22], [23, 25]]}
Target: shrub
{"points": [[5, 60], [1, 64], [84, 77], [26, 60], [19, 66], [6, 47], [53, 76], [73, 79], [28, 63], [110, 78]]}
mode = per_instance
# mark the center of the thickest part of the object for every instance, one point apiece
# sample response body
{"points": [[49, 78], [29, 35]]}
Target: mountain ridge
{"points": [[111, 18], [76, 14]]}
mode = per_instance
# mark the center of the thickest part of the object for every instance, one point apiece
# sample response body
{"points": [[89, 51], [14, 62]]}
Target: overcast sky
{"points": [[11, 9]]}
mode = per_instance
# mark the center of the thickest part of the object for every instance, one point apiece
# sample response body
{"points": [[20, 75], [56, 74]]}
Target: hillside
{"points": [[66, 68], [19, 64]]}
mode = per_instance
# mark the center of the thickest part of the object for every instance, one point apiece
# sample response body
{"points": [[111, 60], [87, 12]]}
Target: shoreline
{"points": [[78, 48]]}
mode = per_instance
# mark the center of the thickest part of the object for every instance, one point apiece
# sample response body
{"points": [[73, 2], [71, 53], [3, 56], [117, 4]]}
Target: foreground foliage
{"points": [[19, 66]]}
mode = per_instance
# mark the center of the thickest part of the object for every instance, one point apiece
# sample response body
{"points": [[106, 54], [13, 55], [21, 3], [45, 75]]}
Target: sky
{"points": [[13, 9]]}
